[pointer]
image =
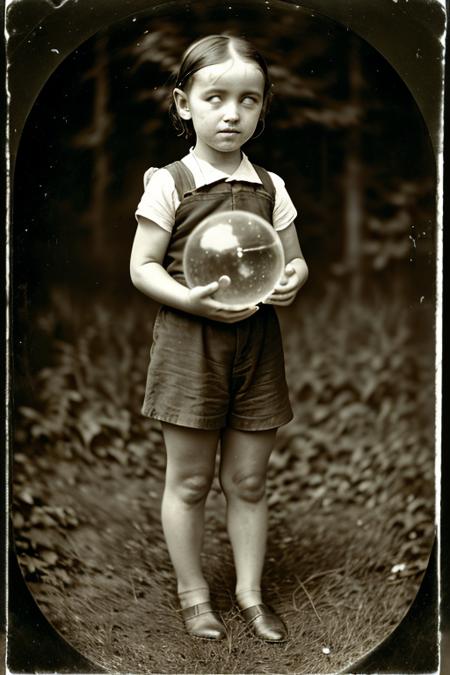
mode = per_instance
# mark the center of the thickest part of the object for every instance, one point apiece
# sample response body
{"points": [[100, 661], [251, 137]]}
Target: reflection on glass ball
{"points": [[240, 245]]}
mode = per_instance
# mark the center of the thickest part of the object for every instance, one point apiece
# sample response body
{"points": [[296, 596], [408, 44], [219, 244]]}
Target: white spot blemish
{"points": [[326, 650], [55, 51], [413, 241]]}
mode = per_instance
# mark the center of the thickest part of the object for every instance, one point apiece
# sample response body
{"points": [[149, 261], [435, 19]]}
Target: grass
{"points": [[350, 493], [329, 577]]}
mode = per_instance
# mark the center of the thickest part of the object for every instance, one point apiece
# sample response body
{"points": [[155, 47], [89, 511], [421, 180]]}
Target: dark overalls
{"points": [[207, 374]]}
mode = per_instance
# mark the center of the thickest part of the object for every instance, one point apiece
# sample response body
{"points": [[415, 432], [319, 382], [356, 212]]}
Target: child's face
{"points": [[224, 102]]}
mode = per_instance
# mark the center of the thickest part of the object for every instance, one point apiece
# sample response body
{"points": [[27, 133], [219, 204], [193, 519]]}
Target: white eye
{"points": [[249, 100], [215, 98]]}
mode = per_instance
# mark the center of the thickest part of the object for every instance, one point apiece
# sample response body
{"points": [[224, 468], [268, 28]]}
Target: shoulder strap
{"points": [[265, 180], [182, 176]]}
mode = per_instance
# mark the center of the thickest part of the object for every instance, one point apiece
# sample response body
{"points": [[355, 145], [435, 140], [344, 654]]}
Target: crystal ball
{"points": [[241, 246]]}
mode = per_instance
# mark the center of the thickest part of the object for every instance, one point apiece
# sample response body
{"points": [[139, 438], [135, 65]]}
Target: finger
{"points": [[284, 296], [230, 316], [280, 292], [204, 291], [279, 298], [286, 286], [224, 281], [285, 301], [287, 274], [229, 311], [269, 298], [232, 309]]}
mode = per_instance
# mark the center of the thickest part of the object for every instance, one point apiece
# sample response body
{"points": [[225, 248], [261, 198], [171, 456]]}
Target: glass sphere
{"points": [[241, 246]]}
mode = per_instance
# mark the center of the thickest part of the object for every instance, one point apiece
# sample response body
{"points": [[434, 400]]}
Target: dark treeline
{"points": [[343, 131]]}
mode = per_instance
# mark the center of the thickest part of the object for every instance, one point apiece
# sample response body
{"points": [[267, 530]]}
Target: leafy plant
{"points": [[361, 388]]}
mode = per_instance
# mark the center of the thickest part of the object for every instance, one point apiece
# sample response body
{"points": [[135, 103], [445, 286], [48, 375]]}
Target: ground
{"points": [[350, 491], [326, 574]]}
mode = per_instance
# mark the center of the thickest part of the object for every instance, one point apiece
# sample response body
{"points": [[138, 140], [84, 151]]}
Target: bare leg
{"points": [[244, 460], [190, 470]]}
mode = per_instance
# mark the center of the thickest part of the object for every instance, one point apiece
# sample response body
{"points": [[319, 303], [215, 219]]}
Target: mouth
{"points": [[229, 132]]}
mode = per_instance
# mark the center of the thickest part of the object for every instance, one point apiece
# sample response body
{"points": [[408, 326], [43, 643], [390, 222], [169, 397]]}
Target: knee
{"points": [[193, 489], [248, 487]]}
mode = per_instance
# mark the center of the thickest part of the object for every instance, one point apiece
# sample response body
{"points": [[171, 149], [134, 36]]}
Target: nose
{"points": [[231, 112]]}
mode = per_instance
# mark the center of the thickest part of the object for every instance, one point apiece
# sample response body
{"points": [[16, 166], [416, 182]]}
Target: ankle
{"points": [[249, 597], [194, 596]]}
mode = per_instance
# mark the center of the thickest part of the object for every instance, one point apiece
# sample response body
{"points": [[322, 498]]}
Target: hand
{"points": [[201, 303], [288, 286]]}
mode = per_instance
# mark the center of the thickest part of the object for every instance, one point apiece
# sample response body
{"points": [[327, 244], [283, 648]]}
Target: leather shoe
{"points": [[265, 624], [201, 621]]}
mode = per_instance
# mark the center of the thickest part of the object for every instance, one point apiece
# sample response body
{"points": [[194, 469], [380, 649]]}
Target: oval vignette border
{"points": [[378, 22]]}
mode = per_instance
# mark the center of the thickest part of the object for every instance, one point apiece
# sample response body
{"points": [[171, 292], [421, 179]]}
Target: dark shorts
{"points": [[207, 375]]}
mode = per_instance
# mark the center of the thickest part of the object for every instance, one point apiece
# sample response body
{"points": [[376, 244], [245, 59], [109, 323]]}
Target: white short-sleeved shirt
{"points": [[160, 199]]}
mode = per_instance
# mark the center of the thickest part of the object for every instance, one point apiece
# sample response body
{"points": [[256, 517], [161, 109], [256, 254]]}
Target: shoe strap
{"points": [[196, 610], [252, 613]]}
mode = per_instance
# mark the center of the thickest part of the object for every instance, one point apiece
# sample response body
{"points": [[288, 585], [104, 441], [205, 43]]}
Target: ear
{"points": [[182, 104]]}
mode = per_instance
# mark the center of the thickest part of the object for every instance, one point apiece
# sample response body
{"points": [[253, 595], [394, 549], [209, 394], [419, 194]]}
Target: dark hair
{"points": [[209, 51]]}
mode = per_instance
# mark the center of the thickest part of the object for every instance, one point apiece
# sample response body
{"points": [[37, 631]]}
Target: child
{"points": [[215, 373]]}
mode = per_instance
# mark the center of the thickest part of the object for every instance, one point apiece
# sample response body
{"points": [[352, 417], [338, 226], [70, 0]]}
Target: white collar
{"points": [[205, 174]]}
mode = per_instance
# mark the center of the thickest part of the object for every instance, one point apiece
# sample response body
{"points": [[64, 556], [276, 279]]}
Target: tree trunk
{"points": [[100, 155], [353, 182]]}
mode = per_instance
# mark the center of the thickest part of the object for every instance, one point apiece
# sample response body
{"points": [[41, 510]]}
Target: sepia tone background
{"points": [[351, 483]]}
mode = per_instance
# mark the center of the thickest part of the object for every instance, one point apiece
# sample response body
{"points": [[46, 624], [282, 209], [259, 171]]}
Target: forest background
{"points": [[352, 477]]}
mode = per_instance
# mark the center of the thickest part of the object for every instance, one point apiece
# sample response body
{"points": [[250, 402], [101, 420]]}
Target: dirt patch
{"points": [[329, 575]]}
